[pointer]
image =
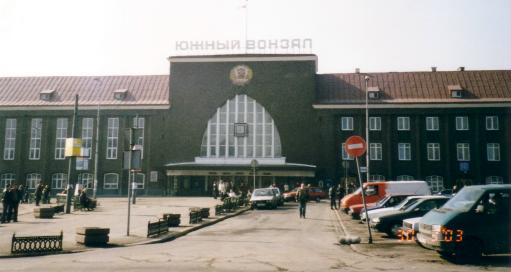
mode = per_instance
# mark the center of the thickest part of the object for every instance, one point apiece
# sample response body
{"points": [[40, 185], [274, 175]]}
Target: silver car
{"points": [[263, 198]]}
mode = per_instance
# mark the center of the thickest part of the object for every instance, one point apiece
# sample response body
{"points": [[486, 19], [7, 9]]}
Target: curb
{"points": [[353, 247], [164, 239]]}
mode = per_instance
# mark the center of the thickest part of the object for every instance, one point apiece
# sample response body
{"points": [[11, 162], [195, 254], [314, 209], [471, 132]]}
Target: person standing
{"points": [[215, 190], [21, 194], [340, 194], [46, 194], [302, 196], [38, 193], [15, 202], [332, 193], [286, 187], [6, 202]]}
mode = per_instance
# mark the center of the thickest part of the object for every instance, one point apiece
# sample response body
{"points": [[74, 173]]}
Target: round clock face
{"points": [[241, 75]]}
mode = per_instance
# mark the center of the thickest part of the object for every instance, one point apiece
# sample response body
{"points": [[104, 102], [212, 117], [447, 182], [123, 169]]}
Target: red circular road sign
{"points": [[355, 146]]}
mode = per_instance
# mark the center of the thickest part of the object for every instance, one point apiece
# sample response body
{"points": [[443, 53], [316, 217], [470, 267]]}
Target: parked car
{"points": [[445, 192], [314, 193], [388, 201], [375, 191], [391, 223], [475, 221], [280, 198], [383, 211], [263, 198], [410, 229]]}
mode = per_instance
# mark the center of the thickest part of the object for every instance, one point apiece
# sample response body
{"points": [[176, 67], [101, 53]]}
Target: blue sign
{"points": [[464, 167]]}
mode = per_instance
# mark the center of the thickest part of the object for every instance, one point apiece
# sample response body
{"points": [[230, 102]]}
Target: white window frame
{"points": [[112, 142], [462, 123], [6, 179], [492, 122], [36, 127], [493, 151], [404, 151], [494, 180], [403, 123], [436, 183], [375, 151], [153, 176], [60, 138], [88, 134], [432, 123], [86, 180], [345, 155], [58, 181], [433, 151], [404, 178], [375, 123], [10, 139], [346, 123], [463, 151], [376, 177], [32, 180], [139, 180], [139, 124], [111, 184]]}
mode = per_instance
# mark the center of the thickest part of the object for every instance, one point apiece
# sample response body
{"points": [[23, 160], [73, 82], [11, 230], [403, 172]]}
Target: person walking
{"points": [[215, 190], [38, 193], [21, 193], [332, 193], [6, 203], [340, 194], [302, 196], [46, 194]]}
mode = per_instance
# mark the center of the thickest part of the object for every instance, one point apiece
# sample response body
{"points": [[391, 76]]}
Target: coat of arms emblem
{"points": [[241, 75]]}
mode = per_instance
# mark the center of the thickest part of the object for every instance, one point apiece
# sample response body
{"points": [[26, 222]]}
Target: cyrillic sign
{"points": [[249, 45]]}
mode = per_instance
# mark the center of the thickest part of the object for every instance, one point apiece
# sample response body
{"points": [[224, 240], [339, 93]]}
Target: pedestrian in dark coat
{"points": [[302, 196], [21, 193], [38, 194], [6, 202], [46, 194], [215, 190], [332, 193], [15, 202]]}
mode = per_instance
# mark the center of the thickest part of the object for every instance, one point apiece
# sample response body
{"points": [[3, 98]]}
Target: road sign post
{"points": [[356, 147]]}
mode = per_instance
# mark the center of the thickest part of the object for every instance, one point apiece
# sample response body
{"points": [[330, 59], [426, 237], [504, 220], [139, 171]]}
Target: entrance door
{"points": [[197, 186]]}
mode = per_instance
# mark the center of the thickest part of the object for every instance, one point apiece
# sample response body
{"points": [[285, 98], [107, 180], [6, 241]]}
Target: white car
{"points": [[410, 228], [263, 198]]}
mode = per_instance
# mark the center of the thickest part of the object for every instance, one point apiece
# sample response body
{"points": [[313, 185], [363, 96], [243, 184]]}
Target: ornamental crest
{"points": [[241, 75]]}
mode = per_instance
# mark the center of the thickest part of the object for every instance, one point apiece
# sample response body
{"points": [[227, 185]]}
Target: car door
{"points": [[494, 221]]}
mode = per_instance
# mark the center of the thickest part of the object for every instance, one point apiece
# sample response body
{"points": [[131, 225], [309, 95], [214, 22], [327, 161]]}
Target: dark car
{"points": [[391, 223]]}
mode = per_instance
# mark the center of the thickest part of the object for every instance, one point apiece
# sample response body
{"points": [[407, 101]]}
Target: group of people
{"points": [[12, 196], [225, 189], [42, 192]]}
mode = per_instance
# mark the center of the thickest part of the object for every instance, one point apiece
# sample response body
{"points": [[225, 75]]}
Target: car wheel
{"points": [[445, 254], [394, 229], [470, 249]]}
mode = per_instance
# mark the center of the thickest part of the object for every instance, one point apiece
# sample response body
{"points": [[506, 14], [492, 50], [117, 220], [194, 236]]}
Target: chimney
{"points": [[357, 70], [461, 68], [433, 68]]}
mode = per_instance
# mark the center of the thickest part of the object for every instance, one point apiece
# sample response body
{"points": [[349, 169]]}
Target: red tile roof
{"points": [[415, 87], [150, 90]]}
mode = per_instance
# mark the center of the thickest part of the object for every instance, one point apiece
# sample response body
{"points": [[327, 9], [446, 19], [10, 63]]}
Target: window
{"points": [[461, 123], [493, 151], [463, 151], [374, 123], [59, 181], [111, 181], [436, 183], [139, 180], [404, 151], [33, 179], [376, 178], [494, 180], [403, 123], [87, 132], [432, 123], [492, 123], [60, 138], [10, 139], [35, 139], [86, 180], [346, 123], [6, 180], [153, 176], [375, 151], [404, 178], [112, 140], [139, 123], [345, 155], [433, 151], [261, 140]]}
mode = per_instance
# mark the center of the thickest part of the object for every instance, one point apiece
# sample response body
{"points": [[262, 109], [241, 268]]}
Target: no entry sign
{"points": [[355, 146]]}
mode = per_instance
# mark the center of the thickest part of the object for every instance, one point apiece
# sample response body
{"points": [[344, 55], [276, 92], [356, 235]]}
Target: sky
{"points": [[135, 37]]}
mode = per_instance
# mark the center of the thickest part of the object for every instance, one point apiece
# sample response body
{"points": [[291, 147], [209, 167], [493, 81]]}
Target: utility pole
{"points": [[72, 159], [367, 129], [130, 152], [96, 156]]}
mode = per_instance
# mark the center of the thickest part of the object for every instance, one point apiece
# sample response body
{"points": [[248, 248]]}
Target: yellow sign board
{"points": [[73, 147]]}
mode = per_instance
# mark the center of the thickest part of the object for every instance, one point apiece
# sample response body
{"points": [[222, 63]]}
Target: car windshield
{"points": [[407, 203], [263, 193], [381, 202], [464, 199]]}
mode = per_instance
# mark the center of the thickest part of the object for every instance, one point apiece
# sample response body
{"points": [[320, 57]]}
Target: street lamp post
{"points": [[254, 164], [367, 128]]}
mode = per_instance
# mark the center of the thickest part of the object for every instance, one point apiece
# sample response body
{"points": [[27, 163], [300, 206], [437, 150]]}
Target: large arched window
{"points": [[33, 179], [436, 183], [241, 128], [86, 180]]}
